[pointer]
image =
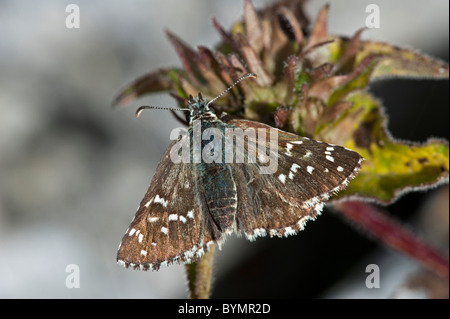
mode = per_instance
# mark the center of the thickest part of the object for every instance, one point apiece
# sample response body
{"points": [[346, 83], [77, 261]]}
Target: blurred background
{"points": [[73, 171]]}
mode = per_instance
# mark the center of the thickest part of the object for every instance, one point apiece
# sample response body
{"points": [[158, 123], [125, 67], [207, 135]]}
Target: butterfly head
{"points": [[199, 108]]}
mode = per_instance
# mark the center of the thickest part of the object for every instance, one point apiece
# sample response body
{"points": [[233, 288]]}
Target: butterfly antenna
{"points": [[247, 75], [146, 107]]}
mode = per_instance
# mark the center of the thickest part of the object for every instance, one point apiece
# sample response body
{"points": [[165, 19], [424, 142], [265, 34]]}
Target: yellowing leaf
{"points": [[391, 167]]}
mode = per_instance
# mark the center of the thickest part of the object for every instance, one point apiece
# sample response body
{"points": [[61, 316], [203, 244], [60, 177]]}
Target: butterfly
{"points": [[197, 202]]}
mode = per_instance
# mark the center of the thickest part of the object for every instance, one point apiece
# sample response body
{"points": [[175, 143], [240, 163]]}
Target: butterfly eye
{"points": [[188, 116]]}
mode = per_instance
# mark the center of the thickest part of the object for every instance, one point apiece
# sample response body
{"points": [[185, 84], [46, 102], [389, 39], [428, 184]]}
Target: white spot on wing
{"points": [[190, 214], [282, 178], [173, 217], [164, 230], [319, 208], [161, 201], [262, 158], [294, 167], [330, 158], [302, 222], [289, 231], [190, 253], [273, 232], [257, 232], [261, 232], [340, 169], [288, 149], [200, 252], [149, 202], [132, 231], [310, 169]]}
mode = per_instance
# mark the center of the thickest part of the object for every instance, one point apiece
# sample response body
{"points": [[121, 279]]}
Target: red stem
{"points": [[390, 232]]}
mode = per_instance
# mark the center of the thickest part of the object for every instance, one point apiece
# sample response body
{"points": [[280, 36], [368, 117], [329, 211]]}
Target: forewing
{"points": [[169, 225], [307, 173]]}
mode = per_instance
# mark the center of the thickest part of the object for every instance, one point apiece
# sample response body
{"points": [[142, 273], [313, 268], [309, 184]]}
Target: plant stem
{"points": [[390, 232], [199, 275]]}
